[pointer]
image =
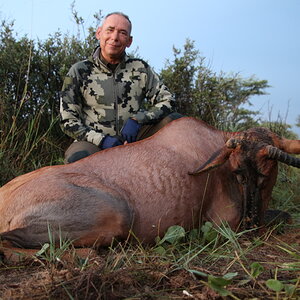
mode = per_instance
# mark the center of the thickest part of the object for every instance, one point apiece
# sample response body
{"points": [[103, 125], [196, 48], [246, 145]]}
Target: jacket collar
{"points": [[99, 60]]}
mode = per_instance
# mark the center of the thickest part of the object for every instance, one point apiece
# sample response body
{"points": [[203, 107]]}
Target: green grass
{"points": [[211, 259], [28, 144]]}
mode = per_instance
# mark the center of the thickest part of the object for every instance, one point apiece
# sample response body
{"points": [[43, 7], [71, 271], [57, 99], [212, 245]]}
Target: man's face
{"points": [[114, 37]]}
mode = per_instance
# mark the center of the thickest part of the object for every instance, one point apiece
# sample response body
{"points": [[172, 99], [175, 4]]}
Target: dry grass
{"points": [[184, 271]]}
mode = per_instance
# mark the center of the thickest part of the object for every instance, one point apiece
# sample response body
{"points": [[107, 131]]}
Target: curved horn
{"points": [[216, 160], [275, 153]]}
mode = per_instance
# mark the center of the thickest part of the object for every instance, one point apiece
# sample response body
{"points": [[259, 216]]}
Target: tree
{"points": [[32, 74], [298, 121], [180, 75], [217, 99]]}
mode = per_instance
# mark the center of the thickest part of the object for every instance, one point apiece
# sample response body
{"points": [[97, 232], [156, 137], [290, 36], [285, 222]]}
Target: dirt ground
{"points": [[33, 278]]}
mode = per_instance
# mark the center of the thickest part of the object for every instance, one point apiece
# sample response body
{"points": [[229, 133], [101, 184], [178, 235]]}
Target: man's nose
{"points": [[115, 35]]}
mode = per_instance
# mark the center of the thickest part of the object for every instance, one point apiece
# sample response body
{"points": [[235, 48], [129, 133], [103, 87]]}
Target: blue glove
{"points": [[130, 130], [109, 142]]}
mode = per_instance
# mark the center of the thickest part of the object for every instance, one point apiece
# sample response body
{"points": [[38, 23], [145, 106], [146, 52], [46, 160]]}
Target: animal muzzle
{"points": [[251, 210]]}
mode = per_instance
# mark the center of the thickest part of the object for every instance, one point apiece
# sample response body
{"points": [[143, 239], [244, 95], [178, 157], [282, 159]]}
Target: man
{"points": [[103, 98]]}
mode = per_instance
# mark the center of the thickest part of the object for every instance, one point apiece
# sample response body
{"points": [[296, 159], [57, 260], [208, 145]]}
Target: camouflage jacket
{"points": [[96, 101]]}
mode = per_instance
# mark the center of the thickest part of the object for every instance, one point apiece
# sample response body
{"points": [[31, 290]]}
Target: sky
{"points": [[258, 38]]}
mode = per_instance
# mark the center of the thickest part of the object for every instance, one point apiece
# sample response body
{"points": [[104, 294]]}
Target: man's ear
{"points": [[129, 42], [98, 33]]}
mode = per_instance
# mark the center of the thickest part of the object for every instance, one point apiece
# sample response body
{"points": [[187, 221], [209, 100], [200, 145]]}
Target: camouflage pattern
{"points": [[96, 101]]}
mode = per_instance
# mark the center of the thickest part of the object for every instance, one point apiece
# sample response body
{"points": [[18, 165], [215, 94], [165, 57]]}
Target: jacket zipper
{"points": [[114, 94], [116, 102]]}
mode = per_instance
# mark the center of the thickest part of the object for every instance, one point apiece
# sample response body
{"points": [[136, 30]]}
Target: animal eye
{"points": [[237, 171], [260, 179], [241, 178], [240, 175]]}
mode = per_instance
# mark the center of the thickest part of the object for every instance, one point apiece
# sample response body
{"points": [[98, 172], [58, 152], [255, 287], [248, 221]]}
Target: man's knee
{"points": [[76, 156], [175, 115], [79, 150], [148, 130], [169, 118]]}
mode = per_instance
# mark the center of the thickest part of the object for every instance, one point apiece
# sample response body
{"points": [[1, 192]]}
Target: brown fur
{"points": [[144, 186]]}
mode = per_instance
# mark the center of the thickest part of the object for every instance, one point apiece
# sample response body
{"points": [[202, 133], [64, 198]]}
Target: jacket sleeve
{"points": [[71, 120], [160, 101]]}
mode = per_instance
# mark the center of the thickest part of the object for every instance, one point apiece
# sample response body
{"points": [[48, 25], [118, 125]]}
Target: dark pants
{"points": [[81, 149]]}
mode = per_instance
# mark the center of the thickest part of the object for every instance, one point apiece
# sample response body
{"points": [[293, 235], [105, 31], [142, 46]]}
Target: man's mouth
{"points": [[113, 46]]}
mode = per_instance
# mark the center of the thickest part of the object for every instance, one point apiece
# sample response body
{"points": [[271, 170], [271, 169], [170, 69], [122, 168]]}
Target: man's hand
{"points": [[130, 130], [109, 142]]}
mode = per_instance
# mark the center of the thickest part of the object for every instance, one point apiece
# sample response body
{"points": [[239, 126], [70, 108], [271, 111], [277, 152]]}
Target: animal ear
{"points": [[216, 160], [290, 146]]}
